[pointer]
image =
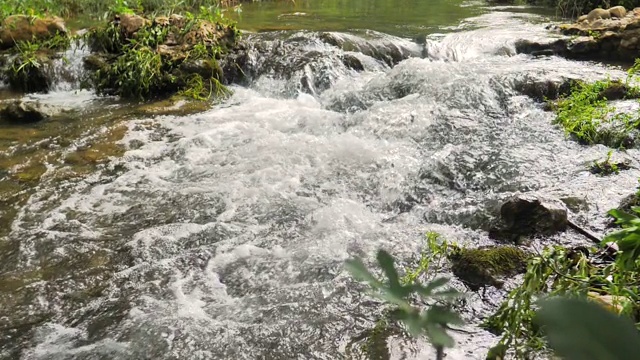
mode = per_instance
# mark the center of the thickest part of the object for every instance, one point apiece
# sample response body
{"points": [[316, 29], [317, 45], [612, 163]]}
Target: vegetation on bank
{"points": [[531, 320], [105, 9], [587, 115], [141, 58], [133, 56]]}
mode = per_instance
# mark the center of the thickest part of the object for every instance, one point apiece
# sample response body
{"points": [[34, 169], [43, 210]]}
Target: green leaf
{"points": [[439, 336], [581, 330], [443, 315], [389, 296], [623, 217], [412, 320], [428, 290], [359, 272], [387, 264]]}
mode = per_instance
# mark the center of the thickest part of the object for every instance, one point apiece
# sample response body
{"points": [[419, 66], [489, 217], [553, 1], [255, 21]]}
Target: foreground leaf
{"points": [[581, 330]]}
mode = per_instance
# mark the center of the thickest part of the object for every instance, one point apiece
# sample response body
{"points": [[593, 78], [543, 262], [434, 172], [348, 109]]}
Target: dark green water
{"points": [[400, 17], [406, 18]]}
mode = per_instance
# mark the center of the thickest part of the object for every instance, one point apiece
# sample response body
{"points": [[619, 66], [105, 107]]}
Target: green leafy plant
{"points": [[627, 239], [586, 115], [432, 258], [432, 322], [608, 166], [578, 329], [611, 278], [26, 72]]}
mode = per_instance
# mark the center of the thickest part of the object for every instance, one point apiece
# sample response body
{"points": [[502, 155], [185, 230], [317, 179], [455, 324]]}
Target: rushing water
{"points": [[221, 235]]}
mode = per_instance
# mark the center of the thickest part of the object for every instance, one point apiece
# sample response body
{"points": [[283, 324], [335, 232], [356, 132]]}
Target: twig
{"points": [[584, 232]]}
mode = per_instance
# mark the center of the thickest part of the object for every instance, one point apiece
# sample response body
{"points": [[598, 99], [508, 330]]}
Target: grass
{"points": [[587, 116], [104, 9]]}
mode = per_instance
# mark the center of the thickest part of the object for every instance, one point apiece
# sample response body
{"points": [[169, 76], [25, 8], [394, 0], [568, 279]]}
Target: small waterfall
{"points": [[68, 68]]}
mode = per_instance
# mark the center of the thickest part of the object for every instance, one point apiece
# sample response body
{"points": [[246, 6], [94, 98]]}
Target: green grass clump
{"points": [[586, 115], [104, 9], [608, 166], [141, 66], [136, 73]]}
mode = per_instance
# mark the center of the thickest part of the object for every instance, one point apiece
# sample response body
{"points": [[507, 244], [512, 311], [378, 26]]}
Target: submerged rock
{"points": [[387, 51], [544, 89], [482, 267], [527, 214], [16, 28], [26, 112], [605, 35]]}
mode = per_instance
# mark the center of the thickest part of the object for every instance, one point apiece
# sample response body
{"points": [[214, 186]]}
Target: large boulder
{"points": [[528, 214], [618, 12], [26, 112], [17, 28]]}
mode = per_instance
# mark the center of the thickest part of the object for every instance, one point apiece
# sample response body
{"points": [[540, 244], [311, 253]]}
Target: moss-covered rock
{"points": [[482, 267], [141, 58]]}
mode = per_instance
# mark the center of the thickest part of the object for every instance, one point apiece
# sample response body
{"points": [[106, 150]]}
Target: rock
{"points": [[24, 28], [383, 49], [482, 267], [32, 74], [542, 90], [527, 214], [131, 23], [596, 14], [613, 303], [575, 204], [352, 62], [618, 12], [628, 202], [161, 21], [94, 62], [602, 35], [25, 112]]}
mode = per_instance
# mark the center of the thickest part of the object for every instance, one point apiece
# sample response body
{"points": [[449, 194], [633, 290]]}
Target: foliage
{"points": [[608, 166], [135, 68], [106, 9], [627, 239], [26, 72], [432, 322], [137, 73], [586, 115], [581, 330], [432, 258], [571, 272]]}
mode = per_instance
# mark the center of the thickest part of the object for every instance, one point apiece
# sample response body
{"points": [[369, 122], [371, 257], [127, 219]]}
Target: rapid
{"points": [[222, 234]]}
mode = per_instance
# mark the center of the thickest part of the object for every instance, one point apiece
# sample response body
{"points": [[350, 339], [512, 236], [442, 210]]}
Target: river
{"points": [[222, 234]]}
